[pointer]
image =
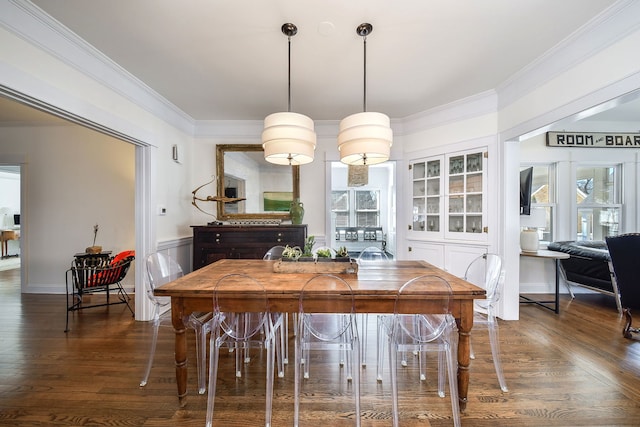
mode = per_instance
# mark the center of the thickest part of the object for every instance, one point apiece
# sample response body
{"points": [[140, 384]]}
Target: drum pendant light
{"points": [[288, 138], [365, 138]]}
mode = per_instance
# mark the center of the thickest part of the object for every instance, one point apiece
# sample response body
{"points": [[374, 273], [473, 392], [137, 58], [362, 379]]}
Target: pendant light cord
{"points": [[289, 77], [364, 97]]}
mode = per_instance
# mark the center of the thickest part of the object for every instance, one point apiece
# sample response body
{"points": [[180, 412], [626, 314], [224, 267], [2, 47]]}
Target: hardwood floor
{"points": [[572, 369]]}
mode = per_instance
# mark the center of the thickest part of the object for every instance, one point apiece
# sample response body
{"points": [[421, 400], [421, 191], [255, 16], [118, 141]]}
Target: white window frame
{"points": [[618, 194]]}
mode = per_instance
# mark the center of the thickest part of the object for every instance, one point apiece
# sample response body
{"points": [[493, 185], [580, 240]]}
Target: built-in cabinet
{"points": [[215, 242], [449, 196], [449, 222]]}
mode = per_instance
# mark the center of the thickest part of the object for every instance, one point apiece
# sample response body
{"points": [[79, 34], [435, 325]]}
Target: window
{"points": [[367, 208], [365, 211], [340, 207], [543, 197], [598, 202]]}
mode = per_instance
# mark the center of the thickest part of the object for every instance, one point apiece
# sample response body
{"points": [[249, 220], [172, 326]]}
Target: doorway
{"points": [[10, 217], [363, 208], [23, 109]]}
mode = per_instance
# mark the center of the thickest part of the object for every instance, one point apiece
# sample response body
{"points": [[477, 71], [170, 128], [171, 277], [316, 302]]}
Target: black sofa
{"points": [[588, 266]]}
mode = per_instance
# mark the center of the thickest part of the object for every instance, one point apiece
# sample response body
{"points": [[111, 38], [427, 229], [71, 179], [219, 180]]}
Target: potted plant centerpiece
{"points": [[342, 254], [291, 253], [323, 254], [307, 250]]}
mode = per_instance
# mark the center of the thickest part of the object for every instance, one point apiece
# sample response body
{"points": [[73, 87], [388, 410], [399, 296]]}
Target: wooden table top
{"points": [[381, 280]]}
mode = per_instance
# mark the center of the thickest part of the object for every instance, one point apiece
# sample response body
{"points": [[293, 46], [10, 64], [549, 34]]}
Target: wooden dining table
{"points": [[374, 288]]}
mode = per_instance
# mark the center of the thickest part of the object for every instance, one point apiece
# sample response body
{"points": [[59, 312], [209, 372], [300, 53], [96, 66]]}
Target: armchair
{"points": [[624, 250]]}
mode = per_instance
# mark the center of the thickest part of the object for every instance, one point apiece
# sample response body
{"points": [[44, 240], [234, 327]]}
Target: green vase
{"points": [[296, 211]]}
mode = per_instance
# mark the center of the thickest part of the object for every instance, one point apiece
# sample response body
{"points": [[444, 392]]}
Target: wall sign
{"points": [[593, 140]]}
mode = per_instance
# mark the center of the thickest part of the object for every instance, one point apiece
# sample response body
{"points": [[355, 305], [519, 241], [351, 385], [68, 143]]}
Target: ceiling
{"points": [[219, 60], [222, 59]]}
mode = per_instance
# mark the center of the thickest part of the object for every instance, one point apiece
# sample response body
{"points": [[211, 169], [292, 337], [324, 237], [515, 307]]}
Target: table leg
{"points": [[177, 317], [464, 323]]}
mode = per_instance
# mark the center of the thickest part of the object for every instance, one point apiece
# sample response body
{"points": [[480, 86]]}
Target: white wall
{"points": [[73, 178]]}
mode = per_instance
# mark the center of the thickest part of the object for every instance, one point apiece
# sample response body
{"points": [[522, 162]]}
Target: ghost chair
{"points": [[273, 254], [242, 330], [486, 272], [162, 269], [327, 322], [407, 331], [368, 257]]}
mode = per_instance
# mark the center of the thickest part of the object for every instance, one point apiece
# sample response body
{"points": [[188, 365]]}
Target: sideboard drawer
{"points": [[211, 243]]}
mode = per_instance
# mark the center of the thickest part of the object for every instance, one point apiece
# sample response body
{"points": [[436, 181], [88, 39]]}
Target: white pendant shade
{"points": [[288, 139], [365, 139]]}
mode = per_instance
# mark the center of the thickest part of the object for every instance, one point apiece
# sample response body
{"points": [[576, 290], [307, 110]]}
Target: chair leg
{"points": [[472, 354], [393, 360], [285, 339], [380, 335], [152, 351], [453, 385], [279, 342], [297, 381], [201, 358], [305, 352], [270, 344], [363, 336], [628, 331], [356, 376], [213, 375], [441, 372], [495, 353]]}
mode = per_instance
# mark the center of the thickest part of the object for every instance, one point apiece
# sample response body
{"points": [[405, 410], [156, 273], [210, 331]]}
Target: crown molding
{"points": [[32, 24], [601, 32], [463, 109]]}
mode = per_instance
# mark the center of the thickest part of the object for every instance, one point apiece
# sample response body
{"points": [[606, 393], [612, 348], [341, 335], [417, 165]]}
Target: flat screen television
{"points": [[526, 183]]}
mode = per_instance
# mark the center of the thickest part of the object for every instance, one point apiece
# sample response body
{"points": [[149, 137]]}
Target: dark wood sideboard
{"points": [[214, 242]]}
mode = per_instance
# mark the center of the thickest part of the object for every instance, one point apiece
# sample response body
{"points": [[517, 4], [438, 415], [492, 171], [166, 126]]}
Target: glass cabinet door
{"points": [[448, 196], [427, 195], [465, 197]]}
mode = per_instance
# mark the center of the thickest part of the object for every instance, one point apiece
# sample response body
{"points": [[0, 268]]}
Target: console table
{"points": [[5, 236], [215, 242], [546, 254]]}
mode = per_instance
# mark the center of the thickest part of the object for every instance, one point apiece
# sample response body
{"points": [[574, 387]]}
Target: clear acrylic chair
{"points": [[368, 256], [163, 269], [275, 253], [327, 321], [407, 331], [486, 272], [242, 331]]}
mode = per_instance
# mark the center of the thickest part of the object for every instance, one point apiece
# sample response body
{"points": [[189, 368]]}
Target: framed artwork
{"points": [[277, 201]]}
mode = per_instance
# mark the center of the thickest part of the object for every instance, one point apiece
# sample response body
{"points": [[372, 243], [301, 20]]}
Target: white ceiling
{"points": [[223, 59]]}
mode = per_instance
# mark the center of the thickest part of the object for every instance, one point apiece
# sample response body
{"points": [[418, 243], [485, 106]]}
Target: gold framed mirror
{"points": [[268, 189]]}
